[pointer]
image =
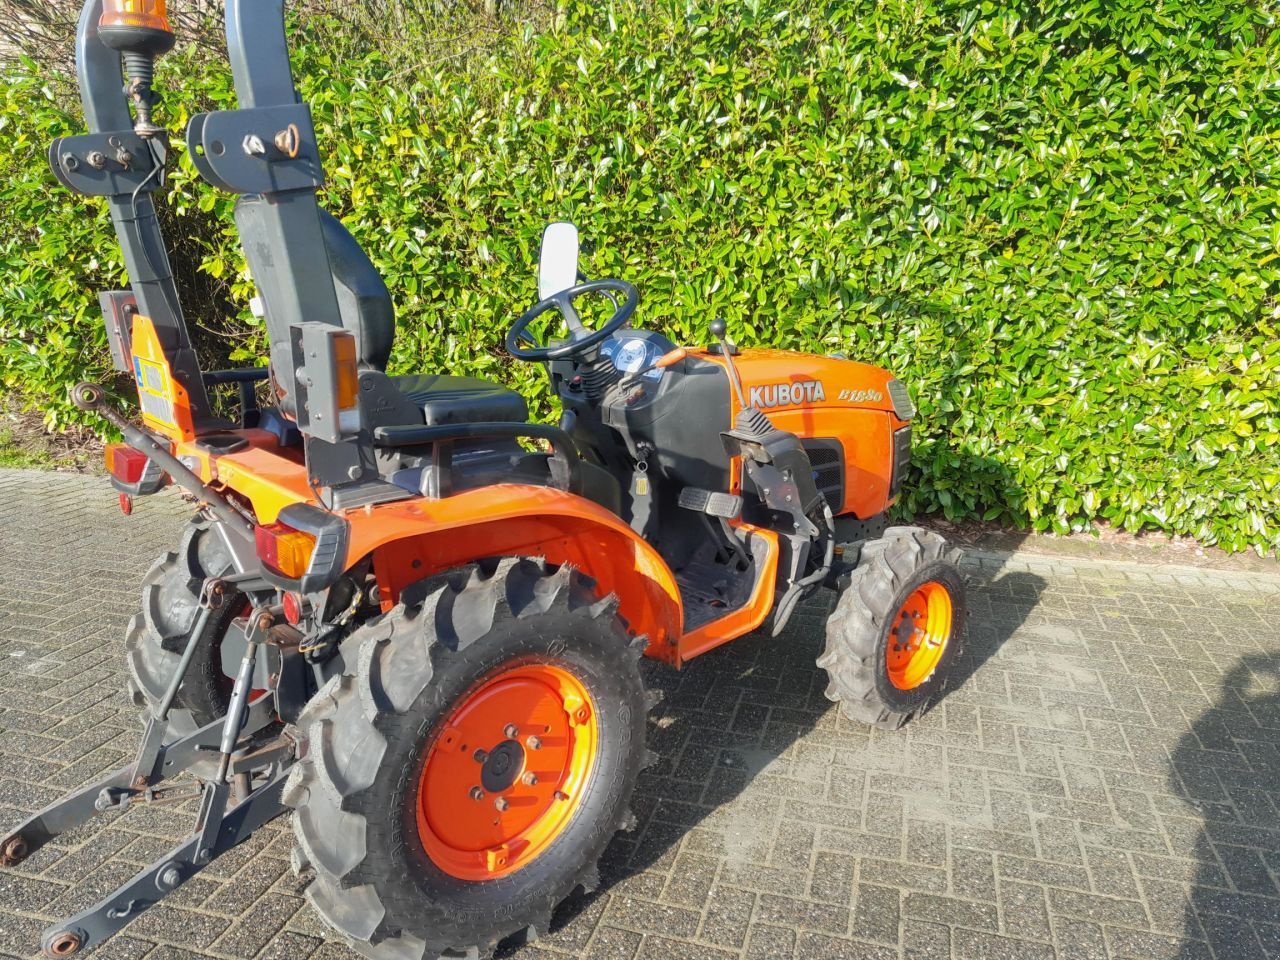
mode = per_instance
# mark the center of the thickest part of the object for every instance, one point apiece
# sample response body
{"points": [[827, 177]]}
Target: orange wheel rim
{"points": [[506, 771], [919, 636]]}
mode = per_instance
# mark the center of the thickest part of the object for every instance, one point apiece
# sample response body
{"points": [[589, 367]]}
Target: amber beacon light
{"points": [[140, 30]]}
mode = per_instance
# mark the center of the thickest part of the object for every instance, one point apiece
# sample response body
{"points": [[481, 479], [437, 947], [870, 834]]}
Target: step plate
{"points": [[727, 505]]}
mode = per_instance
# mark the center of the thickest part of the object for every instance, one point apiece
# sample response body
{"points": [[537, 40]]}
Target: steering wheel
{"points": [[581, 339]]}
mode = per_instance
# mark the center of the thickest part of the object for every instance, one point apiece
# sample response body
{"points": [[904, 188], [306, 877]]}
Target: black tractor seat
{"points": [[364, 304], [446, 399]]}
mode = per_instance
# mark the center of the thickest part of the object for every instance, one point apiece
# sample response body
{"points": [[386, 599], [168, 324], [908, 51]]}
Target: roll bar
{"points": [[133, 214], [277, 215], [264, 151]]}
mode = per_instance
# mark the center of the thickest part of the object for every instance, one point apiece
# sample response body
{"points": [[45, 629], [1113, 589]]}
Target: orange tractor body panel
{"points": [[415, 538], [746, 618], [813, 396], [165, 406], [263, 473]]}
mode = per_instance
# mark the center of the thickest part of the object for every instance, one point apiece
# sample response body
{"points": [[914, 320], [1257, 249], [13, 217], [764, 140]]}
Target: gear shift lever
{"points": [[717, 329]]}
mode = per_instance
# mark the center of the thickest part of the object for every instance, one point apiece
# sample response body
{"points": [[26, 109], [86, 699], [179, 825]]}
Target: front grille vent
{"points": [[901, 399], [901, 458], [827, 458]]}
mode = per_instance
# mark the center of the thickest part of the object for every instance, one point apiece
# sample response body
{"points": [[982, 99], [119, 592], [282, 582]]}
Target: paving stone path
{"points": [[1102, 782]]}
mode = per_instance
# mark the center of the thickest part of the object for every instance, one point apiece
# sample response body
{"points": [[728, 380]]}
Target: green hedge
{"points": [[1057, 221]]}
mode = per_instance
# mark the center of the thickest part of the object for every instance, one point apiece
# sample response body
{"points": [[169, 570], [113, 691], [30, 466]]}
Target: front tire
{"points": [[896, 629], [426, 836]]}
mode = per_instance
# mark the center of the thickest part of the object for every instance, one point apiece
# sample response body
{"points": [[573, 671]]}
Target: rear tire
{"points": [[157, 635], [360, 794], [871, 653]]}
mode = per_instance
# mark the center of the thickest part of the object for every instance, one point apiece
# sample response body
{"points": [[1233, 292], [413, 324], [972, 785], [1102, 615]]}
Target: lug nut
{"points": [[480, 756], [561, 795], [477, 793], [529, 779], [501, 804], [511, 731], [534, 743]]}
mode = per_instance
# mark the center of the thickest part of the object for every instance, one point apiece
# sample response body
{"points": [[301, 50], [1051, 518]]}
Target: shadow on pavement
{"points": [[997, 607], [740, 731], [1227, 766]]}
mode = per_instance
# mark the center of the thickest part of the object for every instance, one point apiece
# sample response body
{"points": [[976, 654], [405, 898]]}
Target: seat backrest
{"points": [[363, 299]]}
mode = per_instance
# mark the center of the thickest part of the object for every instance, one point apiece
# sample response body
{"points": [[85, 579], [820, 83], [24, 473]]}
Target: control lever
{"points": [[717, 329], [670, 358]]}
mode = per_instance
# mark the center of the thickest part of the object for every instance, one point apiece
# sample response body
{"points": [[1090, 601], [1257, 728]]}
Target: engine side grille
{"points": [[827, 457], [901, 458]]}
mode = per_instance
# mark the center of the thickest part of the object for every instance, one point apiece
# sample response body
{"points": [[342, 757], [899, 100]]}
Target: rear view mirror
{"points": [[558, 263]]}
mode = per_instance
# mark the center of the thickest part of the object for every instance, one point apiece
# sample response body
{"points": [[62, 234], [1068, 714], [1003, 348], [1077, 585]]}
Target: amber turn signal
{"points": [[284, 549]]}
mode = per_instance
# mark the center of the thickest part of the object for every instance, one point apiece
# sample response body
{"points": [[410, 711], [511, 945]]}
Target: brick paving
{"points": [[1103, 781]]}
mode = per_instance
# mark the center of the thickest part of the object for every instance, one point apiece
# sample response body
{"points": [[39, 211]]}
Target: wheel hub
{"points": [[505, 771], [502, 766], [919, 635]]}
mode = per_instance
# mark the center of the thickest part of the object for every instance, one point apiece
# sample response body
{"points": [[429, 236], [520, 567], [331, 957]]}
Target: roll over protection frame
{"points": [[266, 151], [128, 175]]}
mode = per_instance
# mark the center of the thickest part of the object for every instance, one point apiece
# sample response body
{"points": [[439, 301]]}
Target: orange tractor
{"points": [[408, 614]]}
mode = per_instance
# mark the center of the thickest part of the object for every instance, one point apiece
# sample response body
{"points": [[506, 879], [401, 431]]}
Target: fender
{"points": [[412, 539], [408, 540]]}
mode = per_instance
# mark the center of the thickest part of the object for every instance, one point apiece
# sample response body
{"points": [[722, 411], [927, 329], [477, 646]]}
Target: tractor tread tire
{"points": [[156, 636], [364, 728], [858, 626]]}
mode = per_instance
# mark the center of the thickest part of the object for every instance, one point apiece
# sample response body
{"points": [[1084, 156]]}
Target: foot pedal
{"points": [[727, 505]]}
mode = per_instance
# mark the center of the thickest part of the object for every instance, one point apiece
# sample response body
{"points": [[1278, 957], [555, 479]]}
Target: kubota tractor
{"points": [[402, 610]]}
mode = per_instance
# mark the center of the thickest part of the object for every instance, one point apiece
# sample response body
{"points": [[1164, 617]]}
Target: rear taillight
{"points": [[292, 604], [284, 550], [303, 552], [125, 463]]}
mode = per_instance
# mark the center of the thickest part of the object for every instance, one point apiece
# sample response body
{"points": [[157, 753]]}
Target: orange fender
{"points": [[412, 539]]}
